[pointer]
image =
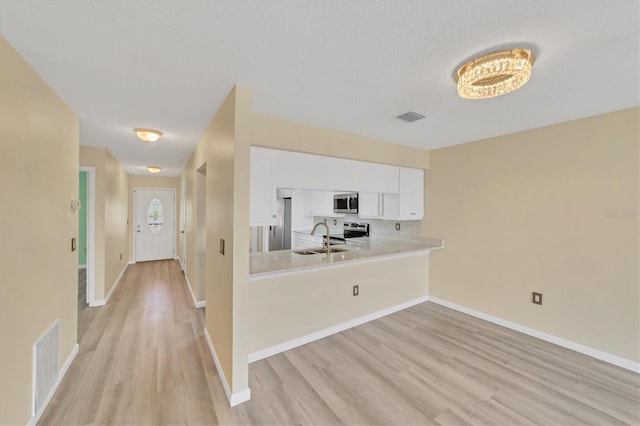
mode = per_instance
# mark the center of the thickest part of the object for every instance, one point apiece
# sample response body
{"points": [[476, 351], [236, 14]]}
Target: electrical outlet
{"points": [[356, 290], [536, 298], [397, 226]]}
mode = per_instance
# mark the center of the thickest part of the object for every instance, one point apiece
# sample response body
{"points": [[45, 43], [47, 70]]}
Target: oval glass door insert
{"points": [[155, 216]]}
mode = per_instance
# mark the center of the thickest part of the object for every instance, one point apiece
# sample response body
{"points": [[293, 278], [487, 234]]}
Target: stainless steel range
{"points": [[355, 230]]}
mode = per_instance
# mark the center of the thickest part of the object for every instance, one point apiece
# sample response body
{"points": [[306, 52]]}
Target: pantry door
{"points": [[154, 227]]}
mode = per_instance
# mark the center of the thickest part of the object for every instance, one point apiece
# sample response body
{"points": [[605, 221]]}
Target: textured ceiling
{"points": [[348, 65]]}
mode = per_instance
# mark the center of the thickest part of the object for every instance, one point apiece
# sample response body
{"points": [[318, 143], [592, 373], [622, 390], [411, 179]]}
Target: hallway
{"points": [[143, 358]]}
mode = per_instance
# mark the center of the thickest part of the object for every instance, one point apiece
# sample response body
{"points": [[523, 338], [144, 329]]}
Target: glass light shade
{"points": [[495, 74], [148, 135], [154, 169]]}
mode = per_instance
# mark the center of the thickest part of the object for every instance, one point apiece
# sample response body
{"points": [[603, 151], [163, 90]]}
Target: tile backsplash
{"points": [[377, 227]]}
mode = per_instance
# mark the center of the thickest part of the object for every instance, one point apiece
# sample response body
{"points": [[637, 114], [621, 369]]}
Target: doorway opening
{"points": [[201, 230], [86, 246]]}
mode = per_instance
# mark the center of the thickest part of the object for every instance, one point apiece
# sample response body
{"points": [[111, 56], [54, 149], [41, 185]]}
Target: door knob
{"points": [[138, 231]]}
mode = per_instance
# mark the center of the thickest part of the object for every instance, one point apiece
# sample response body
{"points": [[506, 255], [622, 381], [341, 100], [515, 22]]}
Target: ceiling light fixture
{"points": [[495, 74], [148, 135], [154, 169]]}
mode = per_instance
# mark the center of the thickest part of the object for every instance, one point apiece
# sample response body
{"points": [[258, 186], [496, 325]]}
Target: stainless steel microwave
{"points": [[345, 203]]}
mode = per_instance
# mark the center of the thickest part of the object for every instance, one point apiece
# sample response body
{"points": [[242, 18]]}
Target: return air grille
{"points": [[45, 365], [410, 116]]}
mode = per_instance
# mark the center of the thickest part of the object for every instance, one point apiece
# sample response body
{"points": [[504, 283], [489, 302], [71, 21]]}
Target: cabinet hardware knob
{"points": [[274, 216]]}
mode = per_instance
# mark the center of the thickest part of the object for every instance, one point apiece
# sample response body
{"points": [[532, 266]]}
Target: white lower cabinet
{"points": [[409, 203], [370, 204]]}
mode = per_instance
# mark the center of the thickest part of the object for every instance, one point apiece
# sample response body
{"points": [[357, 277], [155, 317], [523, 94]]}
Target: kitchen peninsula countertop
{"points": [[267, 264]]}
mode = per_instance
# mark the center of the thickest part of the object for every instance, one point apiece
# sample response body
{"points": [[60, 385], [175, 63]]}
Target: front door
{"points": [[154, 224]]}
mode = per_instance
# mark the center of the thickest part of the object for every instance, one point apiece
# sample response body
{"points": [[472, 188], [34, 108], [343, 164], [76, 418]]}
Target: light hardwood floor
{"points": [[143, 360]]}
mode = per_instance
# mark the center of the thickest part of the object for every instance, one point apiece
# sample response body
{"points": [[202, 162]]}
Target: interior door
{"points": [[155, 224]]}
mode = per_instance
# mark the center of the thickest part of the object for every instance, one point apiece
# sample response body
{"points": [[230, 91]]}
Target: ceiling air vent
{"points": [[410, 116]]}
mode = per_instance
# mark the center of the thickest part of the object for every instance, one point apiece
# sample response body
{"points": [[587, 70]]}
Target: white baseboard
{"points": [[285, 346], [196, 303], [82, 266], [102, 302], [594, 353], [234, 398], [65, 367]]}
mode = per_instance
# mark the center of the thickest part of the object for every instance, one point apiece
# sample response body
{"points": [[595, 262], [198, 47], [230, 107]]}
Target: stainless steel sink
{"points": [[322, 250], [305, 252], [333, 250]]}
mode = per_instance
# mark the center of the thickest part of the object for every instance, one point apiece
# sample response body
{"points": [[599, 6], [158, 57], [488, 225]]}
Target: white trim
{"points": [[82, 266], [290, 344], [61, 373], [196, 303], [234, 398], [586, 350], [91, 234], [135, 217], [102, 302]]}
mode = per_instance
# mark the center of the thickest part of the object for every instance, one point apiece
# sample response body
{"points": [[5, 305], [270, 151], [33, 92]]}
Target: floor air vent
{"points": [[45, 365]]}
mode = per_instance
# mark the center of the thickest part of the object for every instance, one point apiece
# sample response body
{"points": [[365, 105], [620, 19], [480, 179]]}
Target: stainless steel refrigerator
{"points": [[280, 234]]}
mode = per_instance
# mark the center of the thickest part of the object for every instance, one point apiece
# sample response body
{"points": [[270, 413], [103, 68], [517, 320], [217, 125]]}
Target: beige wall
{"points": [[112, 203], [39, 178], [253, 129], [225, 150], [136, 181], [291, 306], [535, 211], [116, 216]]}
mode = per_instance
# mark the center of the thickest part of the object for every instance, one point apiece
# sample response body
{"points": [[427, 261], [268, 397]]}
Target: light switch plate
{"points": [[73, 244], [536, 298], [221, 249]]}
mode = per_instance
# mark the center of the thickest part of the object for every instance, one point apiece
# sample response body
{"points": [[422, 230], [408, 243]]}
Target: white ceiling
{"points": [[348, 65]]}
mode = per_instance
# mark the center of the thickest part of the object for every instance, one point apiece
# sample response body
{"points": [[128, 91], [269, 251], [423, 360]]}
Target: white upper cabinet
{"points": [[370, 204], [304, 171], [361, 176], [318, 203], [263, 203], [408, 204], [403, 188], [308, 171]]}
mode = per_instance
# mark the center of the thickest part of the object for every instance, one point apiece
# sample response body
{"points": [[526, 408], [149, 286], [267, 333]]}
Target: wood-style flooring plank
{"points": [[144, 360]]}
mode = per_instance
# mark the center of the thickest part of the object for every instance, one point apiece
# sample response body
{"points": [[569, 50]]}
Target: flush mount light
{"points": [[154, 169], [495, 74], [148, 135]]}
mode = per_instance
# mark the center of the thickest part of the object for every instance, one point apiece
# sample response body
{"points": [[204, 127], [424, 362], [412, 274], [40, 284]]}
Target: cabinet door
{"points": [[408, 204], [263, 203], [296, 170], [318, 203], [379, 178], [369, 204], [411, 193], [343, 175]]}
